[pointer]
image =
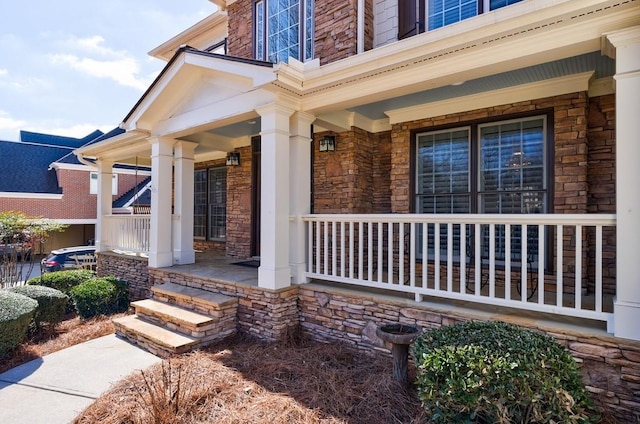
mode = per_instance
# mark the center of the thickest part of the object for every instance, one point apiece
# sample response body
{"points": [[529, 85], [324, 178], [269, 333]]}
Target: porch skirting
{"points": [[610, 365]]}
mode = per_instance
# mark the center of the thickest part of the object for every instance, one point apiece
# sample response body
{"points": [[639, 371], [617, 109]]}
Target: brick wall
{"points": [[335, 29], [76, 202]]}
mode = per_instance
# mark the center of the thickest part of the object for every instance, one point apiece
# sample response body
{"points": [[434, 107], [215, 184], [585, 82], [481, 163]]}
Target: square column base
{"points": [[297, 273], [626, 319], [274, 278], [182, 257], [160, 259]]}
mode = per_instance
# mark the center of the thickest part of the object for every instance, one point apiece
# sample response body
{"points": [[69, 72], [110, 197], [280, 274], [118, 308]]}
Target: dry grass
{"points": [[242, 380], [47, 340]]}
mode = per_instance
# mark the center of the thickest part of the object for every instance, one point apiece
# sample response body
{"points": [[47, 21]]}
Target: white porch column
{"points": [[627, 303], [161, 254], [104, 202], [299, 192], [183, 252], [274, 271]]}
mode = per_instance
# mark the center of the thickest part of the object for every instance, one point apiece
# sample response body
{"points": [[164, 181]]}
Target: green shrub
{"points": [[16, 313], [51, 303], [486, 372], [100, 296], [63, 281]]}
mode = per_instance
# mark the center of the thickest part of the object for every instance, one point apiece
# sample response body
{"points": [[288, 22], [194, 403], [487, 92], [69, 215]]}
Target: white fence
{"points": [[564, 265], [129, 233]]}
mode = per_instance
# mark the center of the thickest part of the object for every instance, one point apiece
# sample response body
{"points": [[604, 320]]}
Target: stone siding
{"points": [[132, 269], [610, 366], [335, 35], [239, 206], [268, 314]]}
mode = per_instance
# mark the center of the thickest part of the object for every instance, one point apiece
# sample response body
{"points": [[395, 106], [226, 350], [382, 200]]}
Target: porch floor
{"points": [[216, 266]]}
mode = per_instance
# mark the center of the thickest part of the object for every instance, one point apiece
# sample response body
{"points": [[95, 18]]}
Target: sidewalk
{"points": [[55, 388]]}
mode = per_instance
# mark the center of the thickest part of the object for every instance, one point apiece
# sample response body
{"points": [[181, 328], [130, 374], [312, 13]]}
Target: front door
{"points": [[255, 196]]}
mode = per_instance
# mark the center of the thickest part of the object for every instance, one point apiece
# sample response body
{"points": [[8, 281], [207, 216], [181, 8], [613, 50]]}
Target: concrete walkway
{"points": [[55, 388]]}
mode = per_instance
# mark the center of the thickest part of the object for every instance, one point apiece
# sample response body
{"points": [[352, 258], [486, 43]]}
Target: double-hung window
{"points": [[427, 15], [210, 204], [497, 167], [283, 29]]}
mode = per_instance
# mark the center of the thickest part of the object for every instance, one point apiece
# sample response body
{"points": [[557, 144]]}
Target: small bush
{"points": [[63, 281], [51, 303], [16, 314], [486, 372], [100, 296]]}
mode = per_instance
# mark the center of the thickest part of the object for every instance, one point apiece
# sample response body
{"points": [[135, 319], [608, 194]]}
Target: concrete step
{"points": [[156, 339]]}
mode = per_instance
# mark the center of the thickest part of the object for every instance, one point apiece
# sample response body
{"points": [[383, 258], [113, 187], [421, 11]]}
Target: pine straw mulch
{"points": [[69, 332], [242, 380]]}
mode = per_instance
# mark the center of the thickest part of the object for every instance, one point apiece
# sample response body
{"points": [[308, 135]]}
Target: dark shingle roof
{"points": [[144, 196], [57, 140], [25, 167]]}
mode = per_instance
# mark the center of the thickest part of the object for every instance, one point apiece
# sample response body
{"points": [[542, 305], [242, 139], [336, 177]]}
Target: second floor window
{"points": [[427, 15], [283, 29]]}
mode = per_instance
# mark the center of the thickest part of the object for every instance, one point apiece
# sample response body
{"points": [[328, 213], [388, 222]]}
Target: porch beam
{"points": [[183, 252], [274, 271], [104, 201], [627, 303], [299, 191], [160, 254]]}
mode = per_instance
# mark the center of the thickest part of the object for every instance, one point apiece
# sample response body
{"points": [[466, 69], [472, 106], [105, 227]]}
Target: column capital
{"points": [[301, 124], [624, 37], [161, 146], [185, 149]]}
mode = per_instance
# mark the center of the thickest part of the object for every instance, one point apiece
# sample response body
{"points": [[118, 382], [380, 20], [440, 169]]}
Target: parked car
{"points": [[17, 250], [69, 258]]}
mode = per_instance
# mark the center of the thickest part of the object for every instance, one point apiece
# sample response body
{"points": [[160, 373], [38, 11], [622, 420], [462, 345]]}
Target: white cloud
{"points": [[9, 126], [125, 70], [3, 72], [94, 45]]}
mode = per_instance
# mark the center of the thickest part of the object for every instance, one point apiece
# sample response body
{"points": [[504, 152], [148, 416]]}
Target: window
{"points": [[416, 17], [283, 29], [498, 167], [93, 183], [210, 204]]}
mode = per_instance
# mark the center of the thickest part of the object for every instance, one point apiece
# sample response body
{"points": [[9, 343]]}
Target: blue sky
{"points": [[68, 67]]}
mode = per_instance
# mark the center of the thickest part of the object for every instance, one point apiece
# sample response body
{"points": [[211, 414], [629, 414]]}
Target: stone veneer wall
{"points": [[610, 366], [132, 269], [239, 206], [270, 315], [335, 29], [355, 177]]}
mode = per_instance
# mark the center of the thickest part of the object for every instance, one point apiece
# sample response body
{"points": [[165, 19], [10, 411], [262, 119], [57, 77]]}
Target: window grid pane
{"points": [[217, 203], [446, 12], [259, 29], [200, 204]]}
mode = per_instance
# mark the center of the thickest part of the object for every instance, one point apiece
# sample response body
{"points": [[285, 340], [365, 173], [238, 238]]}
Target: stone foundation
{"points": [[610, 365], [132, 269]]}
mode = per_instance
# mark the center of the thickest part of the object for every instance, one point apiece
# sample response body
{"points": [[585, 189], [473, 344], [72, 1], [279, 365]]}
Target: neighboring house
{"points": [[401, 146], [40, 176]]}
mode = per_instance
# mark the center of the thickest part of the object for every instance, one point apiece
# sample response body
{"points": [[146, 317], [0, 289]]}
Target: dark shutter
{"points": [[411, 15]]}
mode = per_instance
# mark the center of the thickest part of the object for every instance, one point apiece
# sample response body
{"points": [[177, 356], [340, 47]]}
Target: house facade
{"points": [[41, 177], [465, 152]]}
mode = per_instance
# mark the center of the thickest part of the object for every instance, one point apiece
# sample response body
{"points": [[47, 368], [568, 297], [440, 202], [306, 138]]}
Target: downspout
{"points": [[360, 18]]}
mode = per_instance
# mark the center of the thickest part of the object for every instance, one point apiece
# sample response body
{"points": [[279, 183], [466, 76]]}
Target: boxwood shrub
{"points": [[52, 303], [100, 296], [16, 313], [487, 372], [63, 281]]}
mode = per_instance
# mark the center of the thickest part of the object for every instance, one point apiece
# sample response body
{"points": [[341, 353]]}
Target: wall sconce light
{"points": [[233, 159], [328, 143]]}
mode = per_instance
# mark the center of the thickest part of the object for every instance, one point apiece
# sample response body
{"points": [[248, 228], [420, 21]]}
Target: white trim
{"points": [[602, 87], [22, 195], [72, 221], [86, 168], [547, 88]]}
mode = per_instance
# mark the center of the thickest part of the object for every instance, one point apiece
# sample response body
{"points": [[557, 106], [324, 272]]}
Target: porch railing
{"points": [[129, 233], [555, 263]]}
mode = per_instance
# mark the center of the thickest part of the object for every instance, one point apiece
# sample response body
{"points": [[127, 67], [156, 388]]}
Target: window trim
{"points": [[549, 159]]}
